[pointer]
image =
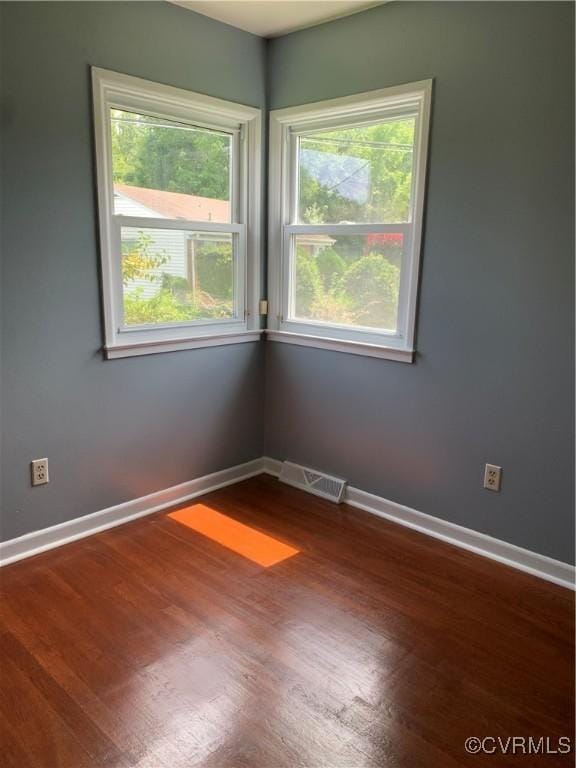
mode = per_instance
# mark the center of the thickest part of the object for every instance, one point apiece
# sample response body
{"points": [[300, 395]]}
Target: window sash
{"points": [[238, 231], [237, 214], [294, 134], [238, 185], [325, 328]]}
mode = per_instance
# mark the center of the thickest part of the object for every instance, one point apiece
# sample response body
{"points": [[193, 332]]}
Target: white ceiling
{"points": [[270, 18]]}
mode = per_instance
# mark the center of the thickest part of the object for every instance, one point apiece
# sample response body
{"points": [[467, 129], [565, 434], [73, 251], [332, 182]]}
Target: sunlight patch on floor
{"points": [[240, 538]]}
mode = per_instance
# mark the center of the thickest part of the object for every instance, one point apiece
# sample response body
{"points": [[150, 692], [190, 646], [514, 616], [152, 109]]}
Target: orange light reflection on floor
{"points": [[240, 538]]}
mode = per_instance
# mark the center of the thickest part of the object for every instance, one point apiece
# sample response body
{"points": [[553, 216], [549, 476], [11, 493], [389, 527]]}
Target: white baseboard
{"points": [[523, 559], [48, 538]]}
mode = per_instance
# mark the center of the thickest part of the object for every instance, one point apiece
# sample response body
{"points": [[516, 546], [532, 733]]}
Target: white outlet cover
{"points": [[39, 469], [492, 477]]}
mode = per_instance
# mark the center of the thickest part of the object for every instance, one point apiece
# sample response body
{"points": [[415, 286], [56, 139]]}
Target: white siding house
{"points": [[167, 242]]}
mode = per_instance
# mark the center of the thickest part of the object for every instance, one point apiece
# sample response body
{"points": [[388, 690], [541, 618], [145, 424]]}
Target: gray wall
{"points": [[493, 381], [112, 430], [494, 376]]}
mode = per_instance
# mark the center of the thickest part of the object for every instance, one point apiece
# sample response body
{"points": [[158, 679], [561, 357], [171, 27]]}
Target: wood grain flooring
{"points": [[151, 645]]}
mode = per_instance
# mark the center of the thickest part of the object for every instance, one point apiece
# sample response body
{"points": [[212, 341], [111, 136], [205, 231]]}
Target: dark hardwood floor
{"points": [[151, 645]]}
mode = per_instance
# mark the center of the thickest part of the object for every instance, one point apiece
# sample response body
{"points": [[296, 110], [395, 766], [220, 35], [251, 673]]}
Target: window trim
{"points": [[285, 126], [115, 90]]}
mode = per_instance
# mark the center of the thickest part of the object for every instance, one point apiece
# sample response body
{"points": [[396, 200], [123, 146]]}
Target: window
{"points": [[347, 193], [178, 193]]}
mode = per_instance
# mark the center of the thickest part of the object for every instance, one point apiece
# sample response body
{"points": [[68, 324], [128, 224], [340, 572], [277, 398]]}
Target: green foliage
{"points": [[177, 286], [331, 267], [321, 205], [137, 261], [162, 308], [214, 268], [331, 307], [372, 284], [145, 153], [364, 293], [172, 305], [384, 158], [308, 283], [174, 300]]}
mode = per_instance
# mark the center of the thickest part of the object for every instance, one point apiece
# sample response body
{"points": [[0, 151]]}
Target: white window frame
{"points": [[285, 127], [112, 90]]}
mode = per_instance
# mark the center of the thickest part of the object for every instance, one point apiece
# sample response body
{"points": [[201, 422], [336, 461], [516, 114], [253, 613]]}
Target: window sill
{"points": [[340, 345], [113, 351]]}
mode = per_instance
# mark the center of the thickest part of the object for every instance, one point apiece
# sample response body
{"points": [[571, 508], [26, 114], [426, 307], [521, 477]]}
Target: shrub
{"points": [[331, 267], [308, 282], [371, 285], [162, 308]]}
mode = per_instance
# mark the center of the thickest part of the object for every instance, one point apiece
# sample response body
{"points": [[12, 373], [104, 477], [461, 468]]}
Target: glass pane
{"points": [[359, 174], [169, 170], [351, 280], [174, 276]]}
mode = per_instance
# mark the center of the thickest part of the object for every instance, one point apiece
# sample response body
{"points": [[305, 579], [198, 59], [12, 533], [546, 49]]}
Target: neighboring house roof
{"points": [[175, 205]]}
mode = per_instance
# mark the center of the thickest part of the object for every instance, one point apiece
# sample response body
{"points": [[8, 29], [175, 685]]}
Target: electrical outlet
{"points": [[40, 472], [492, 477]]}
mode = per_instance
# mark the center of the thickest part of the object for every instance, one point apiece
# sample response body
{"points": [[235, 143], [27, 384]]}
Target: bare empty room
{"points": [[287, 384]]}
